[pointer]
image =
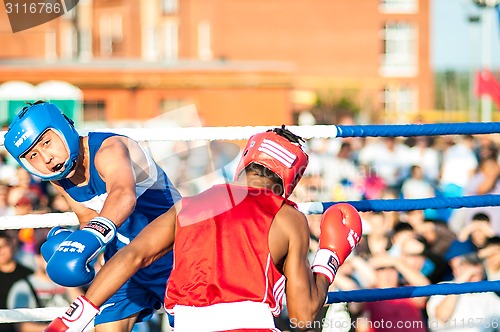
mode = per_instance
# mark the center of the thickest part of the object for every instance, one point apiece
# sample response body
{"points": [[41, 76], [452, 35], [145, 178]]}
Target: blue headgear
{"points": [[27, 128]]}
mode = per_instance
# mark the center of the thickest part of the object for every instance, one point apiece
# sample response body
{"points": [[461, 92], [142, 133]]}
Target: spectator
{"points": [[355, 273], [464, 312], [437, 234], [27, 187], [38, 291], [386, 315], [490, 255], [478, 231], [391, 217], [375, 239], [485, 181], [59, 204], [416, 254], [486, 147], [426, 157], [5, 208], [457, 248], [10, 272], [401, 233], [388, 157], [458, 165], [7, 171], [371, 183], [341, 176], [416, 186], [28, 237]]}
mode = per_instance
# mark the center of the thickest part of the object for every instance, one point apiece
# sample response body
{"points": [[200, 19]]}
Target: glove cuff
{"points": [[101, 227], [79, 314], [327, 263]]}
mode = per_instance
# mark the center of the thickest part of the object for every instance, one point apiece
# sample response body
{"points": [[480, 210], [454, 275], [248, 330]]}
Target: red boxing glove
{"points": [[78, 316], [340, 232]]}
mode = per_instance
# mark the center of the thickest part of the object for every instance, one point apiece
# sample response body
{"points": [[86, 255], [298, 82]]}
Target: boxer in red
{"points": [[238, 249]]}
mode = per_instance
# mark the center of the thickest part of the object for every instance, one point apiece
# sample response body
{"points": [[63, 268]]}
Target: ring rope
{"points": [[379, 294], [43, 220], [379, 205], [406, 130], [315, 131], [359, 295], [30, 315], [47, 220], [208, 133]]}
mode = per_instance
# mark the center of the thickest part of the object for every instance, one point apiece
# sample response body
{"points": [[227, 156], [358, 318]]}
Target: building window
{"points": [[399, 6], [169, 6], [167, 105], [50, 45], [111, 34], [399, 57], [179, 112], [204, 41], [68, 42], [171, 40], [94, 110], [150, 39], [399, 103]]}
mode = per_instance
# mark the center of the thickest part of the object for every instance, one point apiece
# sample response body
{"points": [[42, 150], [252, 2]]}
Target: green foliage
{"points": [[330, 109]]}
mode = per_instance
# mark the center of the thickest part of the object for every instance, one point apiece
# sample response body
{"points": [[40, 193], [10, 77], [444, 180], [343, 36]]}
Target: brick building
{"points": [[241, 62]]}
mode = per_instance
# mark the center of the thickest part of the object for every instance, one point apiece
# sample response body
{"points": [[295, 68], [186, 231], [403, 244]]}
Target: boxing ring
{"points": [[307, 132]]}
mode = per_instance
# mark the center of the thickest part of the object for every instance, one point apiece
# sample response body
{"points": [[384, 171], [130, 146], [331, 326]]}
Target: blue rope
{"points": [[379, 294], [463, 128], [408, 204]]}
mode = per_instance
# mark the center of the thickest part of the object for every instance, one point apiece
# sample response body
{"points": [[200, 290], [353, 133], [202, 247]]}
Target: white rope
{"points": [[30, 315], [47, 220], [311, 207], [209, 133]]}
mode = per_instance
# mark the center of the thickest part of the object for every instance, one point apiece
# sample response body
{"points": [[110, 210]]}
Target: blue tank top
{"points": [[154, 197]]}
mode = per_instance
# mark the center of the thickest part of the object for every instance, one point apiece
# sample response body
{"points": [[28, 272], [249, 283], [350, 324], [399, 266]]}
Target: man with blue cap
{"points": [[114, 187]]}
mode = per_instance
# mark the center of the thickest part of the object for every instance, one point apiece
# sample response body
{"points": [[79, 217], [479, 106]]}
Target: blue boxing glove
{"points": [[70, 265], [56, 236]]}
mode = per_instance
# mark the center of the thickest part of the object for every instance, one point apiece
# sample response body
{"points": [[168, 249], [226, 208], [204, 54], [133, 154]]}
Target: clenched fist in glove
{"points": [[56, 236], [78, 316], [71, 263], [340, 233]]}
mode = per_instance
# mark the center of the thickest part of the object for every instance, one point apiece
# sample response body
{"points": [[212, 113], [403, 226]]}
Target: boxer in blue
{"points": [[114, 187]]}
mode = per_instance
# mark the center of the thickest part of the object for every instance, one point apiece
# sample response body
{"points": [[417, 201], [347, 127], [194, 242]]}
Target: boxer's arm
{"points": [[83, 213], [114, 164], [153, 242], [305, 292], [306, 289]]}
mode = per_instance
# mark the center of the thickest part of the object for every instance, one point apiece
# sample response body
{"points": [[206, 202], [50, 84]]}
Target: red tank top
{"points": [[221, 251]]}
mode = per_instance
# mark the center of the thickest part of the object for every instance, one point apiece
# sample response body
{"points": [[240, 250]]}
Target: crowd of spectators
{"points": [[418, 247]]}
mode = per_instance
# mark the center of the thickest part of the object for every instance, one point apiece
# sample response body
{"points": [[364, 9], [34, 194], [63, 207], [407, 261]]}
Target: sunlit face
{"points": [[479, 237], [387, 277], [49, 154], [493, 259], [6, 251], [40, 263]]}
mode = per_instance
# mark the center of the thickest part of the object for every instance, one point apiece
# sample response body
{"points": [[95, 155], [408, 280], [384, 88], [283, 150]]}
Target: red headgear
{"points": [[278, 154]]}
